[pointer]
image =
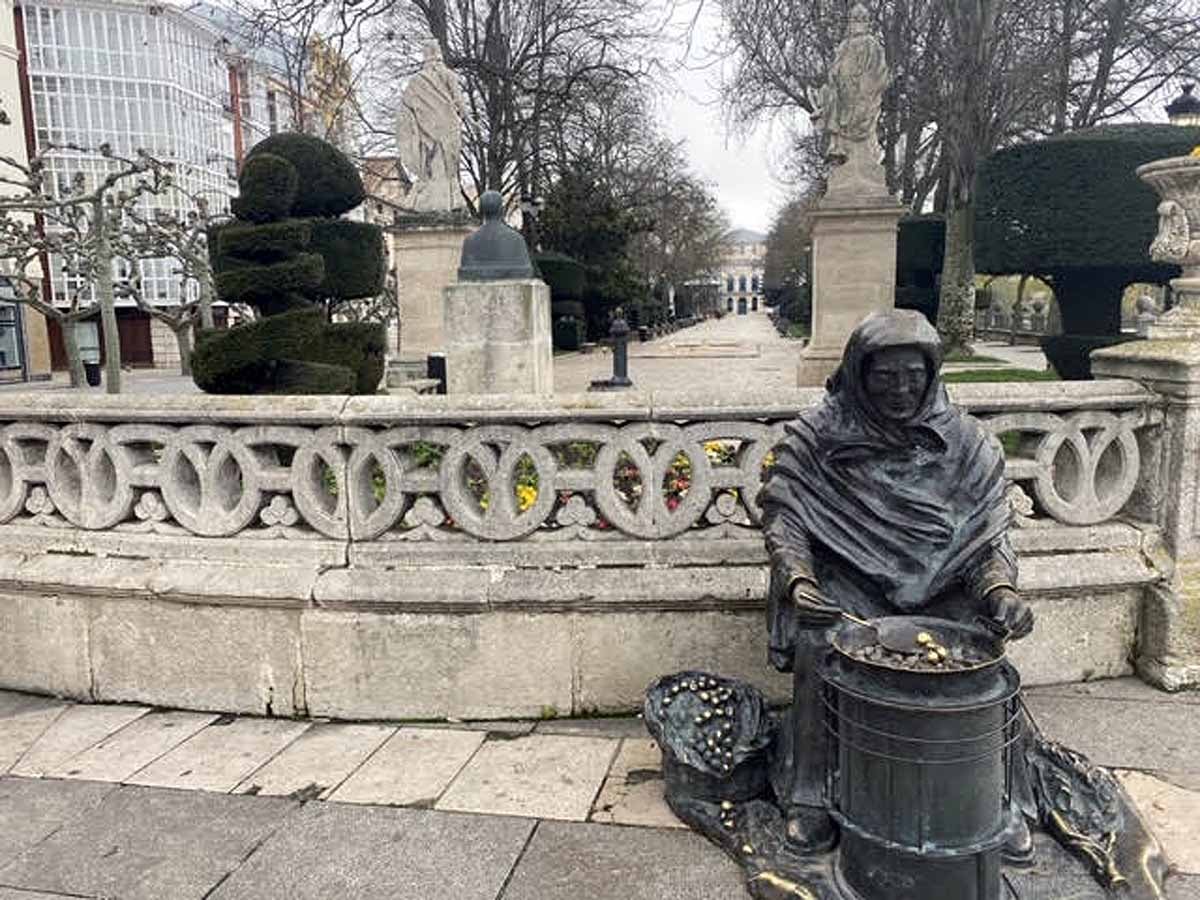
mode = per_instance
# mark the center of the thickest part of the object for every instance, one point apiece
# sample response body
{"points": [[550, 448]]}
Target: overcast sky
{"points": [[737, 165]]}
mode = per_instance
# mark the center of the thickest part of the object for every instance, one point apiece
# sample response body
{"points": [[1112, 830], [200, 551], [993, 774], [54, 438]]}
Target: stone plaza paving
{"points": [[121, 801]]}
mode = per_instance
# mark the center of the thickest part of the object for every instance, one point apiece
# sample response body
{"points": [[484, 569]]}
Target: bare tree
{"points": [[73, 224], [180, 238]]}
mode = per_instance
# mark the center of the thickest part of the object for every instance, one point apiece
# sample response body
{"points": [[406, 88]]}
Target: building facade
{"points": [[176, 83], [742, 271]]}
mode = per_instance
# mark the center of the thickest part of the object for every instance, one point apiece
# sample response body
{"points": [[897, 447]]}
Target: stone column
{"points": [[427, 258], [853, 275], [498, 338], [1168, 652]]}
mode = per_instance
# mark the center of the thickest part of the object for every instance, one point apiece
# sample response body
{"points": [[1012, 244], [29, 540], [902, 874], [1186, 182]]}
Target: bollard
{"points": [[618, 336]]}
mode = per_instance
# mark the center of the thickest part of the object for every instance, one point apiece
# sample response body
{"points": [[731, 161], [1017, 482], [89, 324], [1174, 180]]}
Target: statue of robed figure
{"points": [[848, 109], [429, 136]]}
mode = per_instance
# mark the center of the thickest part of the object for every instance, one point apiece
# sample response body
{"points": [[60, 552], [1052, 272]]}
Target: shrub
{"points": [[280, 258], [564, 275], [1072, 211], [1070, 354], [329, 183], [267, 188], [569, 334], [355, 260]]}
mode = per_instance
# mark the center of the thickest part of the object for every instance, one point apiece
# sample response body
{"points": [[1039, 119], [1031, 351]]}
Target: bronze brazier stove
{"points": [[923, 772]]}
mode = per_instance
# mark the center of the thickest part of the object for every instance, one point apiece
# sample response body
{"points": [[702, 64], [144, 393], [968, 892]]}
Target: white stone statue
{"points": [[848, 111], [429, 135]]}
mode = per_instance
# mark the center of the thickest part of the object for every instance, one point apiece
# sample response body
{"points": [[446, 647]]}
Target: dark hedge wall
{"points": [[920, 252], [1072, 211]]}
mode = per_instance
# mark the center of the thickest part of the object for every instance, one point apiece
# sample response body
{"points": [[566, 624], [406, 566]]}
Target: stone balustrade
{"points": [[477, 557], [637, 467]]}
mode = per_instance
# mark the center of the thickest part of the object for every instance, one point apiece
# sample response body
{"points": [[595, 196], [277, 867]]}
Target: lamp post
{"points": [[531, 211], [1184, 109]]}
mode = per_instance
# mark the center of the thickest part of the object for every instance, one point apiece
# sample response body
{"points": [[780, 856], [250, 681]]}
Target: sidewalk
{"points": [[129, 802]]}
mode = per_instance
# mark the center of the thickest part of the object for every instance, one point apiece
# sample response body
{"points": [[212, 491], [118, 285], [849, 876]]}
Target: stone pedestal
{"points": [[853, 272], [427, 258], [498, 338], [1168, 653]]}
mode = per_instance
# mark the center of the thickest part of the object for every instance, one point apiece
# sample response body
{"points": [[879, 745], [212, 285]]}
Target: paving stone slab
{"points": [[1183, 887], [1123, 734], [371, 853], [19, 731], [412, 768], [633, 791], [572, 861], [1173, 815], [31, 809], [76, 730], [145, 844], [624, 727], [318, 761], [220, 756], [1116, 689], [543, 775], [14, 703], [13, 894], [134, 747]]}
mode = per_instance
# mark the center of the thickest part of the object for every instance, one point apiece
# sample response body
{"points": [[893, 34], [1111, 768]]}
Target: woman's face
{"points": [[896, 380]]}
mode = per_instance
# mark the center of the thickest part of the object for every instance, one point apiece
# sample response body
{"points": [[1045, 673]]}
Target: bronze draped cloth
{"points": [[890, 518]]}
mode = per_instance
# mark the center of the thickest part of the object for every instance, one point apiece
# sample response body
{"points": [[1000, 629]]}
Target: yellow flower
{"points": [[526, 496], [769, 459], [1195, 151]]}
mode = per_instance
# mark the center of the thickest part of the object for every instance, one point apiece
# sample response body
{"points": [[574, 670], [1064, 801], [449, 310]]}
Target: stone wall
{"points": [[483, 557]]}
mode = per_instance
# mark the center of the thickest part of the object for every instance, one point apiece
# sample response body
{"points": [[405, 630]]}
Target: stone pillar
{"points": [[1168, 652], [498, 337], [853, 275], [427, 260]]}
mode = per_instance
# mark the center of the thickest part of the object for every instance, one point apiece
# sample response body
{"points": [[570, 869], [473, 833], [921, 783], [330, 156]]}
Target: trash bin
{"points": [[91, 371]]}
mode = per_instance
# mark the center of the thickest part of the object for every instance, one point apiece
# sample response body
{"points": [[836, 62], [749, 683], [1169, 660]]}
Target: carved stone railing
{"points": [[636, 467]]}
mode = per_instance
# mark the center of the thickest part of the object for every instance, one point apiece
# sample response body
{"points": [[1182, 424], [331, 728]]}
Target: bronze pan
{"points": [[851, 638]]}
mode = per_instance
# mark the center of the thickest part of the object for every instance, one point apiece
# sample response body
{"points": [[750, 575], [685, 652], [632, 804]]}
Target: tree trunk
{"points": [[183, 337], [205, 301], [956, 309], [104, 293], [71, 347]]}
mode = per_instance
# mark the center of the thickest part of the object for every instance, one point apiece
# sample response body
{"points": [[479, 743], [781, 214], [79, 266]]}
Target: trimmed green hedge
{"points": [[270, 287], [269, 356], [329, 183], [1070, 354], [565, 276], [261, 243], [569, 334], [1072, 211], [284, 252], [355, 259], [267, 188]]}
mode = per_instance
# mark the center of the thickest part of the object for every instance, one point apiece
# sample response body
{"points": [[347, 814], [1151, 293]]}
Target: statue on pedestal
{"points": [[907, 767], [429, 135], [848, 110]]}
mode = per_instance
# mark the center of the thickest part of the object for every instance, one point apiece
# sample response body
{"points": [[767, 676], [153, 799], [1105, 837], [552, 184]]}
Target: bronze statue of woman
{"points": [[885, 500]]}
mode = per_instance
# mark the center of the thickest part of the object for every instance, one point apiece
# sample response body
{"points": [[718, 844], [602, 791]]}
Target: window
{"points": [[729, 284], [742, 283], [272, 113], [10, 337]]}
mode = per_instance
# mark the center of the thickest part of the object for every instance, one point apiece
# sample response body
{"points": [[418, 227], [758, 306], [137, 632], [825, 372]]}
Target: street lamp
{"points": [[1184, 109], [531, 211]]}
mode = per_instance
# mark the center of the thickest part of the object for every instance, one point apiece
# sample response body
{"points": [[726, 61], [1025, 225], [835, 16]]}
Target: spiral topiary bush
{"points": [[288, 255]]}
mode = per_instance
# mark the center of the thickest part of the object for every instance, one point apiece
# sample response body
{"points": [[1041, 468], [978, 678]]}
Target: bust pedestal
{"points": [[853, 273], [427, 257], [498, 337]]}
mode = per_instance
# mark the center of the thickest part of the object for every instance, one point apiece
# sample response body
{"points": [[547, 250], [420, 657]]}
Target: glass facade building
{"points": [[133, 75]]}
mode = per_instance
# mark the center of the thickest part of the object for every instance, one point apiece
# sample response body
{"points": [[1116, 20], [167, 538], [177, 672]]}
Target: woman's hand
{"points": [[1006, 606], [813, 610]]}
